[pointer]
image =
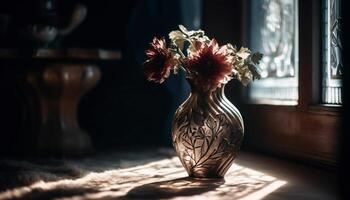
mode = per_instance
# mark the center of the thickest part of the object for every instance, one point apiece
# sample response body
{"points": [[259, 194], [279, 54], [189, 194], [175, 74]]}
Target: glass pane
{"points": [[274, 32], [332, 61]]}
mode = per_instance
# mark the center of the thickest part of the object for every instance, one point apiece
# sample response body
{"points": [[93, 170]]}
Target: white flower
{"points": [[243, 53], [178, 38]]}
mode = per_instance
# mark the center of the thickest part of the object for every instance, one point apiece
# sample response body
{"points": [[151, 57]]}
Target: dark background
{"points": [[124, 110]]}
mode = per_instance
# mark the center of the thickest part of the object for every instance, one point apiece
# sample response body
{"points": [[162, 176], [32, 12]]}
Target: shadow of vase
{"points": [[172, 188]]}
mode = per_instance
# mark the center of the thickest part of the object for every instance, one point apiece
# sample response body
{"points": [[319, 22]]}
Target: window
{"points": [[332, 58], [274, 32]]}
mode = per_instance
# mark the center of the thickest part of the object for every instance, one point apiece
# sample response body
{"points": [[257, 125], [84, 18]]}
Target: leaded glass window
{"points": [[332, 58], [274, 32]]}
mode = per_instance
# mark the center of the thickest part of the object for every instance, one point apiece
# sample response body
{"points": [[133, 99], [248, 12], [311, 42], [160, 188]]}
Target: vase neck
{"points": [[200, 92]]}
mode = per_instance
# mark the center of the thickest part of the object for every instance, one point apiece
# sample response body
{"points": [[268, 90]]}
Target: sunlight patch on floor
{"points": [[165, 179]]}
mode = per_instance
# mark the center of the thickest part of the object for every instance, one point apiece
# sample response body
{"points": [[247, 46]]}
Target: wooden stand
{"points": [[60, 80], [60, 88]]}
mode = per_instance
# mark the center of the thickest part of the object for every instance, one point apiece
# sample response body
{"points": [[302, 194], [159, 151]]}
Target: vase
{"points": [[207, 132]]}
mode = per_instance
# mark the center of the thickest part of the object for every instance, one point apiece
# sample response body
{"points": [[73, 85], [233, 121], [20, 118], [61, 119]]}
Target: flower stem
{"points": [[178, 50]]}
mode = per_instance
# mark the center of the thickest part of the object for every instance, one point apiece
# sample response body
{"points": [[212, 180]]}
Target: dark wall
{"points": [[344, 138], [223, 20], [132, 111]]}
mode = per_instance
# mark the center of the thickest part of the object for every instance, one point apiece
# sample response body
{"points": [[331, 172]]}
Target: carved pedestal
{"points": [[60, 88]]}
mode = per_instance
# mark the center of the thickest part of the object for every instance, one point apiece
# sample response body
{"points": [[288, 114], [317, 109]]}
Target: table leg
{"points": [[60, 88]]}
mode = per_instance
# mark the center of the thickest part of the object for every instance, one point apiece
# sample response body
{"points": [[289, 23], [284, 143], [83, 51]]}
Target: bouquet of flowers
{"points": [[206, 64]]}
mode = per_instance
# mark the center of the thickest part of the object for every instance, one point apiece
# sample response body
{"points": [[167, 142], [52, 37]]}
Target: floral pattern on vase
{"points": [[207, 133]]}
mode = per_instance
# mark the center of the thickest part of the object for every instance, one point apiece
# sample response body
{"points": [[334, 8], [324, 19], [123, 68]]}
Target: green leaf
{"points": [[254, 70], [256, 57], [183, 29]]}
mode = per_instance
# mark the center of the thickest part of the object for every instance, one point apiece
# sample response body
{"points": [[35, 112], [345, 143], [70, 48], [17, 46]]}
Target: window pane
{"points": [[332, 61], [274, 32]]}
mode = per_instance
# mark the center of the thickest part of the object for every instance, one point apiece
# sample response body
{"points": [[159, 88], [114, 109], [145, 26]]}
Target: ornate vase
{"points": [[207, 132]]}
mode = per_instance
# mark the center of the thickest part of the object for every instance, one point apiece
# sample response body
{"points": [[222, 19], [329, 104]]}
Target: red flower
{"points": [[209, 66], [160, 61]]}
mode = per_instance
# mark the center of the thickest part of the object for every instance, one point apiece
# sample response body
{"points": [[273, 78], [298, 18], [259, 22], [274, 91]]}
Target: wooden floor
{"points": [[158, 174]]}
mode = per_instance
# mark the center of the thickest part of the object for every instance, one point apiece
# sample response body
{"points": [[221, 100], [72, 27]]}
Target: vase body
{"points": [[207, 132]]}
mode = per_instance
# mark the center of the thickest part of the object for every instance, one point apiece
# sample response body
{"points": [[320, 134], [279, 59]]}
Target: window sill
{"points": [[272, 102], [325, 109]]}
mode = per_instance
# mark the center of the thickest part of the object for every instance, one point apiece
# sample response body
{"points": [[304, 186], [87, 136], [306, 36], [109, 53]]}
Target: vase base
{"points": [[207, 178]]}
